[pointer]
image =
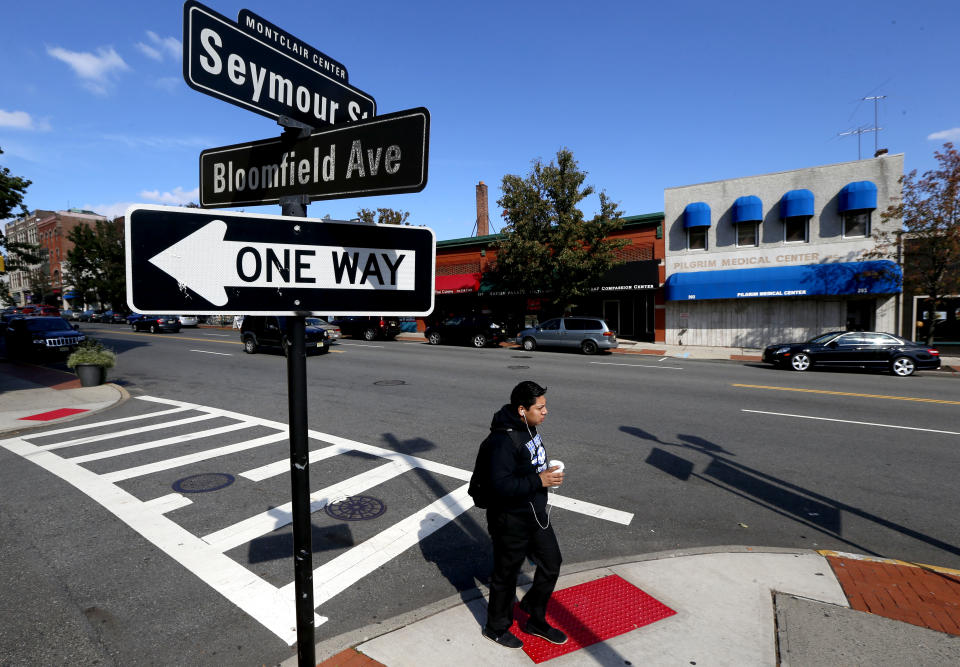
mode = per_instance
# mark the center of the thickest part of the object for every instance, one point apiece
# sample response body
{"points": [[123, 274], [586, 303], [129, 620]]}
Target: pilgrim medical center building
{"points": [[781, 256]]}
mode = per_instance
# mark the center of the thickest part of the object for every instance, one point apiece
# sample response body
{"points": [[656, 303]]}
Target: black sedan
{"points": [[29, 336], [476, 330], [856, 349], [156, 323]]}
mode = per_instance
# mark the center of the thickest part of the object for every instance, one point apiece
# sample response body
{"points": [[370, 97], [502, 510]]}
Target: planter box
{"points": [[91, 375]]}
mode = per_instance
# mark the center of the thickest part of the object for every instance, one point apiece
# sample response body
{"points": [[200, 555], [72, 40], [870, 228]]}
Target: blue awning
{"points": [[796, 203], [858, 196], [748, 208], [875, 277], [696, 214]]}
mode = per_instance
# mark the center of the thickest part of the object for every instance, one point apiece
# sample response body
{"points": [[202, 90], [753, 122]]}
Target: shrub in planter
{"points": [[91, 361]]}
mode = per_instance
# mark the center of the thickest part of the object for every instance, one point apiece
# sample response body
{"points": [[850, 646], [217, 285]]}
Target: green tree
{"points": [[929, 240], [96, 262], [547, 244], [383, 216], [12, 190]]}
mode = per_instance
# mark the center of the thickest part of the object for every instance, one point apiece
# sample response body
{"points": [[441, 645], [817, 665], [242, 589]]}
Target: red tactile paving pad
{"points": [[54, 414], [589, 613]]}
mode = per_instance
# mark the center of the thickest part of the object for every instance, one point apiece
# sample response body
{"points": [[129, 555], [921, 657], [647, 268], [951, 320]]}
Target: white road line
{"points": [[132, 431], [168, 503], [848, 421], [143, 446], [109, 422], [222, 354], [590, 509], [267, 522], [610, 363], [283, 466], [196, 457], [257, 597], [358, 344], [220, 335], [346, 569]]}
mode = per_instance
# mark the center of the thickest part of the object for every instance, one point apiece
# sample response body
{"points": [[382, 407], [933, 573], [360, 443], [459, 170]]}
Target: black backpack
{"points": [[480, 479]]}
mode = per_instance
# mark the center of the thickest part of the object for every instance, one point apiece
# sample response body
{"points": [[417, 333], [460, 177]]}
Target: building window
{"points": [[747, 234], [856, 224], [697, 238], [795, 229]]}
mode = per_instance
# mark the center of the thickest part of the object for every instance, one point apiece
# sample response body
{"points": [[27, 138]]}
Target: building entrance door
{"points": [[611, 314]]}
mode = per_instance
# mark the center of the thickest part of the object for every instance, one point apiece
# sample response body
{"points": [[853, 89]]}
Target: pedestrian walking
{"points": [[514, 476]]}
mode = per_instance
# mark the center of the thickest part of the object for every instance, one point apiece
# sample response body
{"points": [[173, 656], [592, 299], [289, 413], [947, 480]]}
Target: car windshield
{"points": [[315, 322], [823, 338], [53, 324]]}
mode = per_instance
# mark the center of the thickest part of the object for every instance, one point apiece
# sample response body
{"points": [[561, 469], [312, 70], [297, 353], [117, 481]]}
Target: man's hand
{"points": [[550, 478]]}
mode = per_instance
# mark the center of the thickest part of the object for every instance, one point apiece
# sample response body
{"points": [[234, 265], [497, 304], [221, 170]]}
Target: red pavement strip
{"points": [[916, 594], [589, 613], [55, 414]]}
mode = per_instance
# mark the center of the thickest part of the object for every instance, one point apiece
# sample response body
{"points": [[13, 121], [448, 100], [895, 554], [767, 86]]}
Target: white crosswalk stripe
{"points": [[205, 556]]}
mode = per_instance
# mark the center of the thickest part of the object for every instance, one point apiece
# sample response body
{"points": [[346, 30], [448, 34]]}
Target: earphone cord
{"points": [[549, 489]]}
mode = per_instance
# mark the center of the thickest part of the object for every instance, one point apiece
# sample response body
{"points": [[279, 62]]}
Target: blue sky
{"points": [[94, 109]]}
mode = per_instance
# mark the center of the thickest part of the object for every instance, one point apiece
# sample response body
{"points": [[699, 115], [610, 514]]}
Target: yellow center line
{"points": [[143, 333], [849, 393]]}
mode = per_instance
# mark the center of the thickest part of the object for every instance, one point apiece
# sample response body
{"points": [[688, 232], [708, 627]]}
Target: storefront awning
{"points": [[846, 278], [458, 283], [858, 196], [639, 275], [748, 208], [796, 203]]}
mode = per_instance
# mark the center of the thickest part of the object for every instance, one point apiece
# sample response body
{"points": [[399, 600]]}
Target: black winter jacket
{"points": [[514, 462]]}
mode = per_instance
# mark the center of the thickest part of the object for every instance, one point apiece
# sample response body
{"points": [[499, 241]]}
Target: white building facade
{"points": [[783, 256]]}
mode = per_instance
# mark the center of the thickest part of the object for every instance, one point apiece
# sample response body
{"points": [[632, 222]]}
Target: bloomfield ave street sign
{"points": [[382, 155], [183, 260], [231, 64]]}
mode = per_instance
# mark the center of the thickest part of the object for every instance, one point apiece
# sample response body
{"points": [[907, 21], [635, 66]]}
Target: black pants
{"points": [[515, 536]]}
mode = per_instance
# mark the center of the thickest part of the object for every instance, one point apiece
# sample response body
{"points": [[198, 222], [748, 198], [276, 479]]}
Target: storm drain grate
{"points": [[389, 383], [203, 483], [356, 508], [517, 368]]}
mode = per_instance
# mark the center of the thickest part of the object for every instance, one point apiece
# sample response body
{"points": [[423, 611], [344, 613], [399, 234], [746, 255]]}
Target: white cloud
{"points": [[95, 70], [160, 47], [178, 197], [110, 211], [21, 120], [952, 134], [170, 84]]}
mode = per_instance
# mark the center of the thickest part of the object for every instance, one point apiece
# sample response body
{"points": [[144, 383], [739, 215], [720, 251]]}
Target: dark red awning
{"points": [[458, 283]]}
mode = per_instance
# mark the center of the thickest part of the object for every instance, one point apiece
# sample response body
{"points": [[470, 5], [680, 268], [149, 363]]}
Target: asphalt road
{"points": [[661, 454]]}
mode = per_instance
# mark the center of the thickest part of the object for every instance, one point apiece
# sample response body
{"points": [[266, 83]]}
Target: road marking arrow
{"points": [[207, 264]]}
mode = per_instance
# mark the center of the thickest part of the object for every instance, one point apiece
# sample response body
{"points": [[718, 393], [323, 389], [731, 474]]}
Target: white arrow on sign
{"points": [[208, 264]]}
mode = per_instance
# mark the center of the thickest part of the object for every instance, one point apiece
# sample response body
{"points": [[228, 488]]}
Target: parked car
{"points": [[67, 314], [589, 334], [133, 317], [478, 330], [855, 349], [333, 331], [155, 323], [89, 315], [188, 320], [369, 328], [112, 317], [35, 336], [258, 332]]}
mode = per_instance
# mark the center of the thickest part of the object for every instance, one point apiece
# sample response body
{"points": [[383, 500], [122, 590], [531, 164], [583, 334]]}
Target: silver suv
{"points": [[587, 333]]}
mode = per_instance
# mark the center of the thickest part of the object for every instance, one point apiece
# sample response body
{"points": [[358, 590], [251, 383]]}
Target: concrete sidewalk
{"points": [[733, 606]]}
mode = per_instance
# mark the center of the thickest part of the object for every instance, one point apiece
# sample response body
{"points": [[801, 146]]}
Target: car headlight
{"points": [[782, 350]]}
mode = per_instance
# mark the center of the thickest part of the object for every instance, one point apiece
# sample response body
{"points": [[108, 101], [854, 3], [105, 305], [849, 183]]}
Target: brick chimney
{"points": [[483, 217]]}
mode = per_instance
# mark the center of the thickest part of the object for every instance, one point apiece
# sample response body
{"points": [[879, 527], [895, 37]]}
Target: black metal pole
{"points": [[300, 467]]}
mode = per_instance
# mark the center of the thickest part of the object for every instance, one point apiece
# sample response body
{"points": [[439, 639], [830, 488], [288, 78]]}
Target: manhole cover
{"points": [[517, 368], [389, 383], [209, 481], [356, 508], [521, 356]]}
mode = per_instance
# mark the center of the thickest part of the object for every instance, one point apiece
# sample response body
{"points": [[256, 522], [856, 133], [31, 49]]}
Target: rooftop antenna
{"points": [[876, 127], [859, 132]]}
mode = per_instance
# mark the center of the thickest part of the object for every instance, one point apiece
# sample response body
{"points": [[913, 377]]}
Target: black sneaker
{"points": [[551, 634], [506, 638]]}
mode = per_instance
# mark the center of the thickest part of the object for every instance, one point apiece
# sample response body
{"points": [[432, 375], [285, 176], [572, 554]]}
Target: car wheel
{"points": [[434, 338], [250, 345], [903, 366], [153, 328], [529, 344], [133, 327], [800, 362], [588, 347], [369, 334], [479, 340]]}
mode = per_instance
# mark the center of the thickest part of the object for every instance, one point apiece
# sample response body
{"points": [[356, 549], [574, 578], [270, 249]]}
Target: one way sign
{"points": [[183, 260]]}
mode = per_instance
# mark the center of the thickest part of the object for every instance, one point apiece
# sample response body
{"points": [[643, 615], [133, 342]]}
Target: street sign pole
{"points": [[296, 206]]}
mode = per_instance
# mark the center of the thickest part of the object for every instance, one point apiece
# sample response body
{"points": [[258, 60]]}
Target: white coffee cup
{"points": [[558, 465]]}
